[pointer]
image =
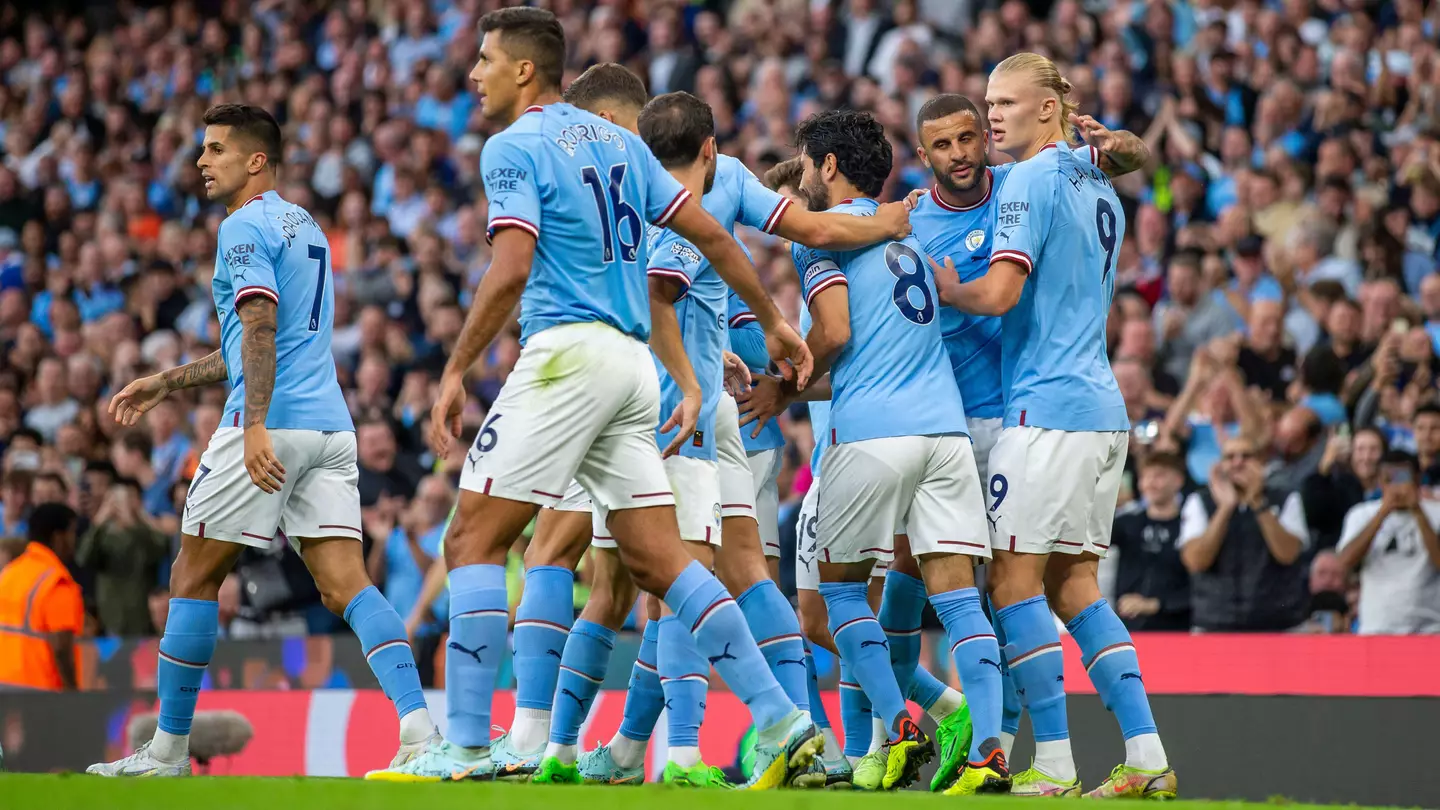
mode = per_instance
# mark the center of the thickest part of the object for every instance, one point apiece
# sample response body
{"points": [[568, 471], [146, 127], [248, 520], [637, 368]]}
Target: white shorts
{"points": [[320, 497], [696, 483], [923, 486], [1055, 490], [737, 483], [576, 499], [764, 478], [807, 571], [983, 435], [582, 404]]}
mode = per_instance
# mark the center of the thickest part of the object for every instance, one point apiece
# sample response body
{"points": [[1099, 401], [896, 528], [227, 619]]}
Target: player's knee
{"points": [[196, 575], [814, 622]]}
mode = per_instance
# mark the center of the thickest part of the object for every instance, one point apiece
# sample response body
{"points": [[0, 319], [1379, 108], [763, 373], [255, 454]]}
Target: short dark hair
{"points": [[675, 127], [943, 105], [250, 123], [137, 442], [54, 478], [533, 34], [856, 139], [606, 81], [1170, 461], [785, 173], [1429, 408], [1396, 458], [48, 521], [1322, 370]]}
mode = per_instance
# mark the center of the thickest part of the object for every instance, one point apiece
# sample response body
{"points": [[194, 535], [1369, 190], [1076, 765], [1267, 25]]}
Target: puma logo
{"points": [[796, 661], [1005, 235], [873, 643], [1020, 691], [578, 700], [994, 520], [472, 458], [724, 655], [554, 653], [668, 707], [991, 663], [803, 561], [702, 705], [475, 653], [1134, 675]]}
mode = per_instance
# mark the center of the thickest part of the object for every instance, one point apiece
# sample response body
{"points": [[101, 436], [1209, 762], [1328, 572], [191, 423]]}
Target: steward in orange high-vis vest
{"points": [[41, 611]]}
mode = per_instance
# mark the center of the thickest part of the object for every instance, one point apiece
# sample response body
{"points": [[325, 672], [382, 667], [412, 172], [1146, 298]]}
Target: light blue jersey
{"points": [[273, 248], [584, 188], [819, 409], [701, 310], [735, 196], [972, 341], [738, 196], [1058, 217], [892, 378], [747, 340]]}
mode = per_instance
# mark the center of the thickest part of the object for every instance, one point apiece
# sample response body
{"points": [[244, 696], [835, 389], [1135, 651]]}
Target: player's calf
{"points": [[338, 567]]}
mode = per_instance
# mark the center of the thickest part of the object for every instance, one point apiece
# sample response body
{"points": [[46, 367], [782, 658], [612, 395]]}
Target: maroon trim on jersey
{"points": [[989, 179]]}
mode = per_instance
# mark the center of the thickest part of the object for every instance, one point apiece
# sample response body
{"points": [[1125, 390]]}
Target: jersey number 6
{"points": [[624, 213]]}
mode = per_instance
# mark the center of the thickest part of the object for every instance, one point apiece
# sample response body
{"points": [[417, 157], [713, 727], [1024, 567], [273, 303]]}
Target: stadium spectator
{"points": [[1242, 544], [1349, 472], [1152, 587], [1394, 545], [124, 551], [41, 607]]}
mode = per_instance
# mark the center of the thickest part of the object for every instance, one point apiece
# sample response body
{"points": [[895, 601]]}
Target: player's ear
{"points": [[924, 158], [607, 115], [524, 71], [708, 149], [258, 162], [1047, 109], [830, 168]]}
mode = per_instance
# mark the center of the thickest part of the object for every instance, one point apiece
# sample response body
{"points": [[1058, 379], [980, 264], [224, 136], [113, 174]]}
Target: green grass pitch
{"points": [[62, 792]]}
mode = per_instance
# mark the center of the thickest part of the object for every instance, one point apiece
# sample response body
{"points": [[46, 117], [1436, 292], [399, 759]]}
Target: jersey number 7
{"points": [[321, 255], [612, 228]]}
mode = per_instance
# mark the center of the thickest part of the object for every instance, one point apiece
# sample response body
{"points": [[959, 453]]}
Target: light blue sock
{"points": [[1037, 666], [387, 649], [185, 652], [854, 713], [1113, 667], [862, 644], [718, 627], [901, 607], [644, 699], [542, 620], [925, 688], [1011, 709], [582, 670], [977, 659], [777, 633], [478, 616], [685, 678], [812, 686]]}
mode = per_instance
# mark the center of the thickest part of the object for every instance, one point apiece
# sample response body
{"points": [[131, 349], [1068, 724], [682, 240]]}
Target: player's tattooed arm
{"points": [[257, 356], [208, 369], [1121, 151]]}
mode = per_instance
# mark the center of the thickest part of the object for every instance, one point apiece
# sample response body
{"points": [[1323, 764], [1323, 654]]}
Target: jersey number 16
{"points": [[612, 228]]}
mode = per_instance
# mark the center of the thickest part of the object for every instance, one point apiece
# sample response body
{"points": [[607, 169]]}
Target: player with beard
{"points": [[953, 219]]}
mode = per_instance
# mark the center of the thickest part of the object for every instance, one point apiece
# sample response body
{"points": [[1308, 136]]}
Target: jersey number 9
{"points": [[612, 228], [1105, 229], [908, 279]]}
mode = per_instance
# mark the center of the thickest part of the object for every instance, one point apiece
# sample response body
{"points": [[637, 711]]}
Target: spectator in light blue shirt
{"points": [[414, 544], [1251, 283], [443, 107]]}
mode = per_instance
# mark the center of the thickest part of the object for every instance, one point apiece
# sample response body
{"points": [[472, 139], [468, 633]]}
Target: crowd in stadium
{"points": [[1274, 331]]}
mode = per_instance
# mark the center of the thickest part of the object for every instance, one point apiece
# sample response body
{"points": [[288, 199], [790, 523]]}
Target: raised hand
{"points": [[137, 398]]}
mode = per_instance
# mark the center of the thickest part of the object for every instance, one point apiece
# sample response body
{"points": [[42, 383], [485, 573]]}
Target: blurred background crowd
{"points": [[1274, 330]]}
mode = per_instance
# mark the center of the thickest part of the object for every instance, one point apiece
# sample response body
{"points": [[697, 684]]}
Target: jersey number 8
{"points": [[908, 279], [612, 228]]}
